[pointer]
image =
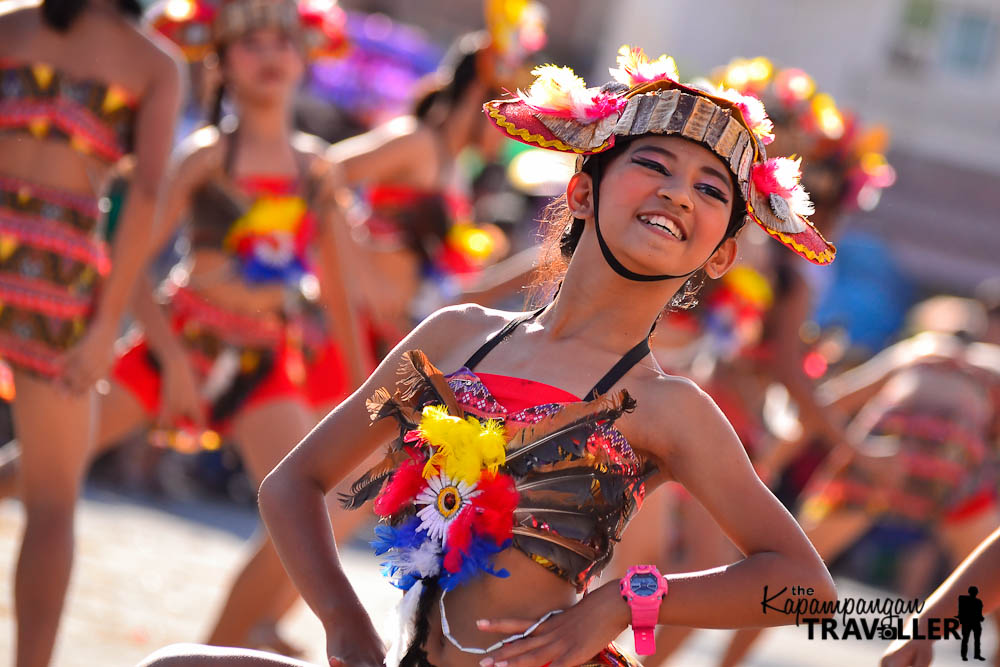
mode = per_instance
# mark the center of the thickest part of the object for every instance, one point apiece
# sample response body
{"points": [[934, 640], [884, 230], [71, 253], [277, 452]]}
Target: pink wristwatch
{"points": [[644, 588]]}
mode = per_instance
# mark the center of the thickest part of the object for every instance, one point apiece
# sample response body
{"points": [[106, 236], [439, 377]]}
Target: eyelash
{"points": [[709, 190]]}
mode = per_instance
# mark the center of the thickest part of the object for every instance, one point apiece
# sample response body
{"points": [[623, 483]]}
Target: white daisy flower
{"points": [[444, 499]]}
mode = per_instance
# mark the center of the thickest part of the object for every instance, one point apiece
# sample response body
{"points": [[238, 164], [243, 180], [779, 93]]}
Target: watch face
{"points": [[644, 584]]}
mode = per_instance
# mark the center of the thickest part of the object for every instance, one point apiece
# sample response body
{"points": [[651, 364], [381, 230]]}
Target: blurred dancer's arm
{"points": [[385, 152], [154, 129], [197, 156], [502, 279], [851, 389], [982, 570], [337, 288]]}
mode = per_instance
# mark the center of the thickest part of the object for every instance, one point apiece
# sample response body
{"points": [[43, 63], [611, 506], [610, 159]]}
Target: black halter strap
{"points": [[608, 380], [609, 256]]}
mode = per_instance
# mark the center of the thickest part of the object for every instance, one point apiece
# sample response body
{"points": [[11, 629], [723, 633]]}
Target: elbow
{"points": [[271, 491]]}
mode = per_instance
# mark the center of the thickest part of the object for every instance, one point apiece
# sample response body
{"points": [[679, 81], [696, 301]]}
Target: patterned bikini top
{"points": [[94, 117], [484, 462], [262, 221]]}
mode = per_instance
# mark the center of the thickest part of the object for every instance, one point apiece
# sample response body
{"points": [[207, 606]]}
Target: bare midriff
{"points": [[51, 163], [214, 276], [528, 593]]}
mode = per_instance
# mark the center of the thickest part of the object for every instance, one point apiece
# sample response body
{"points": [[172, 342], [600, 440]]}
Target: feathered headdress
{"points": [[844, 162], [199, 27], [559, 112]]}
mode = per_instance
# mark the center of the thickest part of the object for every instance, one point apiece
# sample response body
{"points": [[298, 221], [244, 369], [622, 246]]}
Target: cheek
{"points": [[239, 64], [294, 63], [714, 220]]}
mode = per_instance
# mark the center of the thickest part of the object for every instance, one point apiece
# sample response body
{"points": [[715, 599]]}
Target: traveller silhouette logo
{"points": [[885, 618]]}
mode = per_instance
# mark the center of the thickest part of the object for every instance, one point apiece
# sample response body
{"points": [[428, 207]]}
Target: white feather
{"points": [[400, 625], [424, 561]]}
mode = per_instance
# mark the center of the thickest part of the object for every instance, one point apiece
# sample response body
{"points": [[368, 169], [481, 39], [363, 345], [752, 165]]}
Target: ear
{"points": [[723, 259], [579, 195]]}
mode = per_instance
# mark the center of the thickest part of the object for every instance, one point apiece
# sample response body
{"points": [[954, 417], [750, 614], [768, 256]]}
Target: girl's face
{"points": [[665, 204], [264, 65]]}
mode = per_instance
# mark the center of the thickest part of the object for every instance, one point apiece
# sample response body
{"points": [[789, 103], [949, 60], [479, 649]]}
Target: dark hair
{"points": [[60, 14], [562, 234], [458, 71]]}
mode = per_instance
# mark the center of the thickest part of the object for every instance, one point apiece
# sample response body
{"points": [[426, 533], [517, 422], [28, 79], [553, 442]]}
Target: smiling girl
{"points": [[509, 480]]}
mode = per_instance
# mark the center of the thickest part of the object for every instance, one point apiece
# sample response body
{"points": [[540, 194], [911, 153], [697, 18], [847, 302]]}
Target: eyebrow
{"points": [[724, 177]]}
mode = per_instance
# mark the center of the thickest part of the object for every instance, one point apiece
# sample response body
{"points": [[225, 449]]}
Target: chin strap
{"points": [[613, 262]]}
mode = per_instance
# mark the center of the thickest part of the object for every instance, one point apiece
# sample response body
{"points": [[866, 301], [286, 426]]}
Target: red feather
{"points": [[459, 539], [404, 486], [494, 507]]}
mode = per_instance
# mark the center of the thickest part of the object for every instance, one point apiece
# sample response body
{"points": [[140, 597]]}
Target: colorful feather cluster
{"points": [[448, 506], [559, 92], [780, 177], [464, 506], [634, 68], [754, 114]]}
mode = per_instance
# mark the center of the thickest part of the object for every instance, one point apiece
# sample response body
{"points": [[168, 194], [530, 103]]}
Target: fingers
{"points": [[531, 652]]}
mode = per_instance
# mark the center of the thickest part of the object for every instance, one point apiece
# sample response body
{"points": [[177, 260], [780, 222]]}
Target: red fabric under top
{"points": [[518, 394]]}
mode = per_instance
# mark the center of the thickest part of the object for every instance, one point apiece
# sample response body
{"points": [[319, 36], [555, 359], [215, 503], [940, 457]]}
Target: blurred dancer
{"points": [[927, 417], [408, 168], [226, 352], [83, 86], [503, 497]]}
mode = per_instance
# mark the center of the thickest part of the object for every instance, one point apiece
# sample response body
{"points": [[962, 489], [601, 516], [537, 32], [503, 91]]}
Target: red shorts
{"points": [[268, 366]]}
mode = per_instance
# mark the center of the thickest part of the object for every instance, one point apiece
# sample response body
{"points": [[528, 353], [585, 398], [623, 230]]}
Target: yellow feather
{"points": [[462, 447]]}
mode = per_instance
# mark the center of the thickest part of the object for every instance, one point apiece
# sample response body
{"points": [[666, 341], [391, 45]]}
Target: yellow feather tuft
{"points": [[463, 448]]}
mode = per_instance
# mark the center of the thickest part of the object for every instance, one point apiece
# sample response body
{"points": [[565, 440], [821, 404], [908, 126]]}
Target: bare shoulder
{"points": [[200, 152], [674, 416], [19, 19], [451, 335], [157, 56]]}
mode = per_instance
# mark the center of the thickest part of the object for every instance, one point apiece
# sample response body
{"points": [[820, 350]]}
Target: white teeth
{"points": [[663, 223]]}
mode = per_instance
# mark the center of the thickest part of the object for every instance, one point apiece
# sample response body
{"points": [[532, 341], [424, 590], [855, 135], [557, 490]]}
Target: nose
{"points": [[677, 193]]}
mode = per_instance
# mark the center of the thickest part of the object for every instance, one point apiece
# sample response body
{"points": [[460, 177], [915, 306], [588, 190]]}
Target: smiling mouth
{"points": [[664, 223]]}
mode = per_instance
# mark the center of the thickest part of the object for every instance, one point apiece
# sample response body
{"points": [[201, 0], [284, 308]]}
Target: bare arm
{"points": [[154, 137], [852, 389], [382, 154], [787, 318], [503, 278], [336, 290], [196, 157], [709, 461], [293, 507]]}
